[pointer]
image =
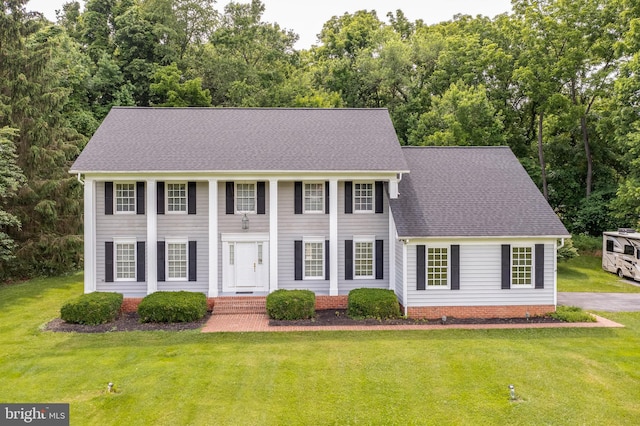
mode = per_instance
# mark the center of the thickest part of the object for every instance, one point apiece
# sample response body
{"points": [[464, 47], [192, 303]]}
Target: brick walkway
{"points": [[236, 323]]}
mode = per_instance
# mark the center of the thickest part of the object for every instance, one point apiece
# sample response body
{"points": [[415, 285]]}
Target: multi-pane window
{"points": [[176, 197], [125, 261], [437, 266], [246, 197], [313, 198], [363, 259], [314, 259], [521, 266], [125, 197], [177, 261], [363, 197]]}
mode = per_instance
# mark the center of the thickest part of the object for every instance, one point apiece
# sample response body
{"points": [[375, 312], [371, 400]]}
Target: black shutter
{"points": [[160, 197], [297, 195], [379, 259], [326, 197], [506, 266], [108, 261], [261, 192], [327, 261], [108, 198], [455, 267], [140, 264], [298, 260], [193, 261], [161, 266], [379, 188], [348, 197], [230, 209], [420, 267], [191, 198], [348, 259], [140, 198], [539, 265]]}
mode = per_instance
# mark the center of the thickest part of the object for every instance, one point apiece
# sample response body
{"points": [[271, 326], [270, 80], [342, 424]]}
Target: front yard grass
{"points": [[585, 273], [457, 377]]}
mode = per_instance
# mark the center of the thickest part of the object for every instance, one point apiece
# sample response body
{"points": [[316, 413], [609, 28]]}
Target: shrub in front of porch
{"points": [[172, 306], [291, 304], [92, 308], [372, 303]]}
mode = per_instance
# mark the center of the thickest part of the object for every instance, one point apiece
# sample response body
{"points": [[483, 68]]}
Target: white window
{"points": [[125, 260], [125, 197], [521, 266], [314, 259], [246, 197], [314, 198], [363, 258], [176, 197], [437, 267], [177, 260], [363, 197]]}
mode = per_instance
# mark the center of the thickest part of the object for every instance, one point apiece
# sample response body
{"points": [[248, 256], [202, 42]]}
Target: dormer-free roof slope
{"points": [[242, 139], [470, 192]]}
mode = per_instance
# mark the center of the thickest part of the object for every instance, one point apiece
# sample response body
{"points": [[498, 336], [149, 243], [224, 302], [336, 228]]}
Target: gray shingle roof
{"points": [[470, 192], [239, 139]]}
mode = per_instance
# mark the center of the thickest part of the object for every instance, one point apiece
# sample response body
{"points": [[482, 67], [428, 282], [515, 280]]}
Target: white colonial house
{"points": [[233, 202]]}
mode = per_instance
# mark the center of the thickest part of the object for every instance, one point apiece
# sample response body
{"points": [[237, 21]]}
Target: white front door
{"points": [[245, 264]]}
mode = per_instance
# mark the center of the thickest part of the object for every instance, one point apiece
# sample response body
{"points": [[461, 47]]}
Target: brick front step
{"points": [[239, 305]]}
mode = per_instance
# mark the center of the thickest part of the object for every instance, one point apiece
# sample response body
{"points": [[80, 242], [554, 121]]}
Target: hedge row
{"points": [[372, 303], [92, 308], [291, 304]]}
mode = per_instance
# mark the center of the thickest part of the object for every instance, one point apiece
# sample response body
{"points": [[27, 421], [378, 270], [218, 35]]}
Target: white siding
{"points": [[399, 288], [117, 225], [292, 227], [356, 224], [480, 280], [192, 228]]}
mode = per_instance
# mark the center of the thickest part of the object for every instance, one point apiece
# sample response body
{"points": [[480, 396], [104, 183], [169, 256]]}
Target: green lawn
{"points": [[585, 273], [448, 377]]}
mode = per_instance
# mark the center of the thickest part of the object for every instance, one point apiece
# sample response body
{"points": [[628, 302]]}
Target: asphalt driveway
{"points": [[609, 302]]}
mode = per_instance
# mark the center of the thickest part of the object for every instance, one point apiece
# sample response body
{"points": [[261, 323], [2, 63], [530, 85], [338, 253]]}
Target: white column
{"points": [[213, 238], [405, 274], [333, 237], [392, 252], [273, 235], [152, 237], [89, 236]]}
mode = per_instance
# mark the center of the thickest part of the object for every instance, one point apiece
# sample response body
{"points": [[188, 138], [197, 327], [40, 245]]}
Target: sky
{"points": [[306, 17]]}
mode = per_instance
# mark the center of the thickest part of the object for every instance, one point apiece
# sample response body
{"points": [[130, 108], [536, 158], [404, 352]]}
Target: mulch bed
{"points": [[339, 317], [130, 322]]}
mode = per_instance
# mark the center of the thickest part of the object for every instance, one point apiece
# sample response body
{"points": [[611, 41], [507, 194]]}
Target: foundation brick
{"points": [[515, 311]]}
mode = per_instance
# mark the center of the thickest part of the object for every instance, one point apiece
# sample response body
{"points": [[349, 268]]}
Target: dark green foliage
{"points": [[372, 303], [172, 306], [92, 308], [291, 304], [586, 244], [572, 314]]}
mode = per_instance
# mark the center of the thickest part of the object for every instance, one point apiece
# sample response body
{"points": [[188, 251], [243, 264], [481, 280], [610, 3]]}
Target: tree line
{"points": [[557, 81]]}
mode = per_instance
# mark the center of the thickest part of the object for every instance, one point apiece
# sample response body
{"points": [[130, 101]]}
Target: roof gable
{"points": [[470, 192], [242, 139]]}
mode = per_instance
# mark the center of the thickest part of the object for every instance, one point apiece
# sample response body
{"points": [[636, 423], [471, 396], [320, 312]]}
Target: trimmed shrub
{"points": [[291, 304], [92, 308], [572, 314], [173, 306], [372, 303]]}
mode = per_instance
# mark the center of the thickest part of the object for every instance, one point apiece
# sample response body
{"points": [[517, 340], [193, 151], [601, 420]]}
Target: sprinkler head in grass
{"points": [[109, 387], [512, 392]]}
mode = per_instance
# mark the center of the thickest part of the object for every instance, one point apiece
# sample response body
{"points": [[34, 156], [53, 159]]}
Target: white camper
{"points": [[621, 253]]}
